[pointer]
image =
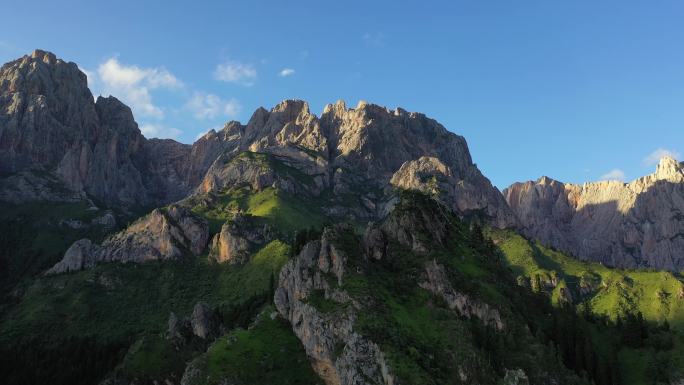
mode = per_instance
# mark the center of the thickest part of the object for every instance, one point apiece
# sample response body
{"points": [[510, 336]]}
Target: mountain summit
{"points": [[50, 127]]}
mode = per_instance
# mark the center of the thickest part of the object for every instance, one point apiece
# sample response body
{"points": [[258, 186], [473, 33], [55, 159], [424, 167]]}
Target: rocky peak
{"points": [[290, 123], [669, 169], [338, 108], [49, 122], [41, 73], [44, 56]]}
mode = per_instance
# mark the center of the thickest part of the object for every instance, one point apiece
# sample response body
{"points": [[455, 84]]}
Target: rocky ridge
{"points": [[360, 360], [360, 150], [628, 225], [49, 122], [163, 234], [339, 353]]}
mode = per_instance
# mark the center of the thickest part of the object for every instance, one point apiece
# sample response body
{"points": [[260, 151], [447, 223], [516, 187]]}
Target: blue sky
{"points": [[576, 90]]}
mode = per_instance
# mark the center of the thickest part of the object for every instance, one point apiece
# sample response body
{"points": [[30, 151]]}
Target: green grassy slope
{"points": [[609, 294], [265, 353], [426, 342], [280, 209], [32, 238], [109, 307], [117, 313]]}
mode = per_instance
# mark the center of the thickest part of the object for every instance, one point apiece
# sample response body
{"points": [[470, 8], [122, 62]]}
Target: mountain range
{"points": [[363, 246]]}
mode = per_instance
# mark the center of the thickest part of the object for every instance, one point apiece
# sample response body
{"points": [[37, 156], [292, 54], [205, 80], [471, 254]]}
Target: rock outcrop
{"points": [[435, 280], [204, 323], [629, 225], [338, 354], [311, 292], [163, 234], [237, 239]]}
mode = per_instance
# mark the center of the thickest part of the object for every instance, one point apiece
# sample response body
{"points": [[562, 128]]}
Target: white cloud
{"points": [[614, 174], [654, 157], [209, 106], [133, 84], [235, 72], [159, 131], [286, 72]]}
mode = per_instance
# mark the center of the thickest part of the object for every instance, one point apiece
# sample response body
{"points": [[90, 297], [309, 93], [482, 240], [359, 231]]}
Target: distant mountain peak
{"points": [[669, 169], [608, 221]]}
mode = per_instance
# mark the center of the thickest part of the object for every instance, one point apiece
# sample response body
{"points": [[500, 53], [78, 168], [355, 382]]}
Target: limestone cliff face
{"points": [[377, 143], [636, 224], [50, 123]]}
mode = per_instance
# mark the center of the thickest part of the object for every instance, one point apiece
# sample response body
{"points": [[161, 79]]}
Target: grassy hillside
{"points": [[265, 353], [34, 236], [78, 327], [424, 340], [280, 209], [75, 328], [106, 309], [610, 297]]}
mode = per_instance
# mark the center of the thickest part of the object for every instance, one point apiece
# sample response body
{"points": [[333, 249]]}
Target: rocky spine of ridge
{"points": [[628, 225], [360, 360], [339, 354]]}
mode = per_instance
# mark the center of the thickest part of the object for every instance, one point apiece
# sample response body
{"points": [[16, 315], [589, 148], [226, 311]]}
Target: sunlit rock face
{"points": [[635, 224], [363, 150], [51, 126]]}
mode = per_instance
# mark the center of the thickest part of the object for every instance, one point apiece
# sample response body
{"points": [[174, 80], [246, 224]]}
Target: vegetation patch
{"points": [[265, 353]]}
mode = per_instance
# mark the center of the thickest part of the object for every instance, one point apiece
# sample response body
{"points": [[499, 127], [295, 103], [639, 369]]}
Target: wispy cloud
{"points": [[236, 72], [159, 131], [209, 106], [374, 39], [654, 157], [614, 174], [286, 72], [133, 85]]}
